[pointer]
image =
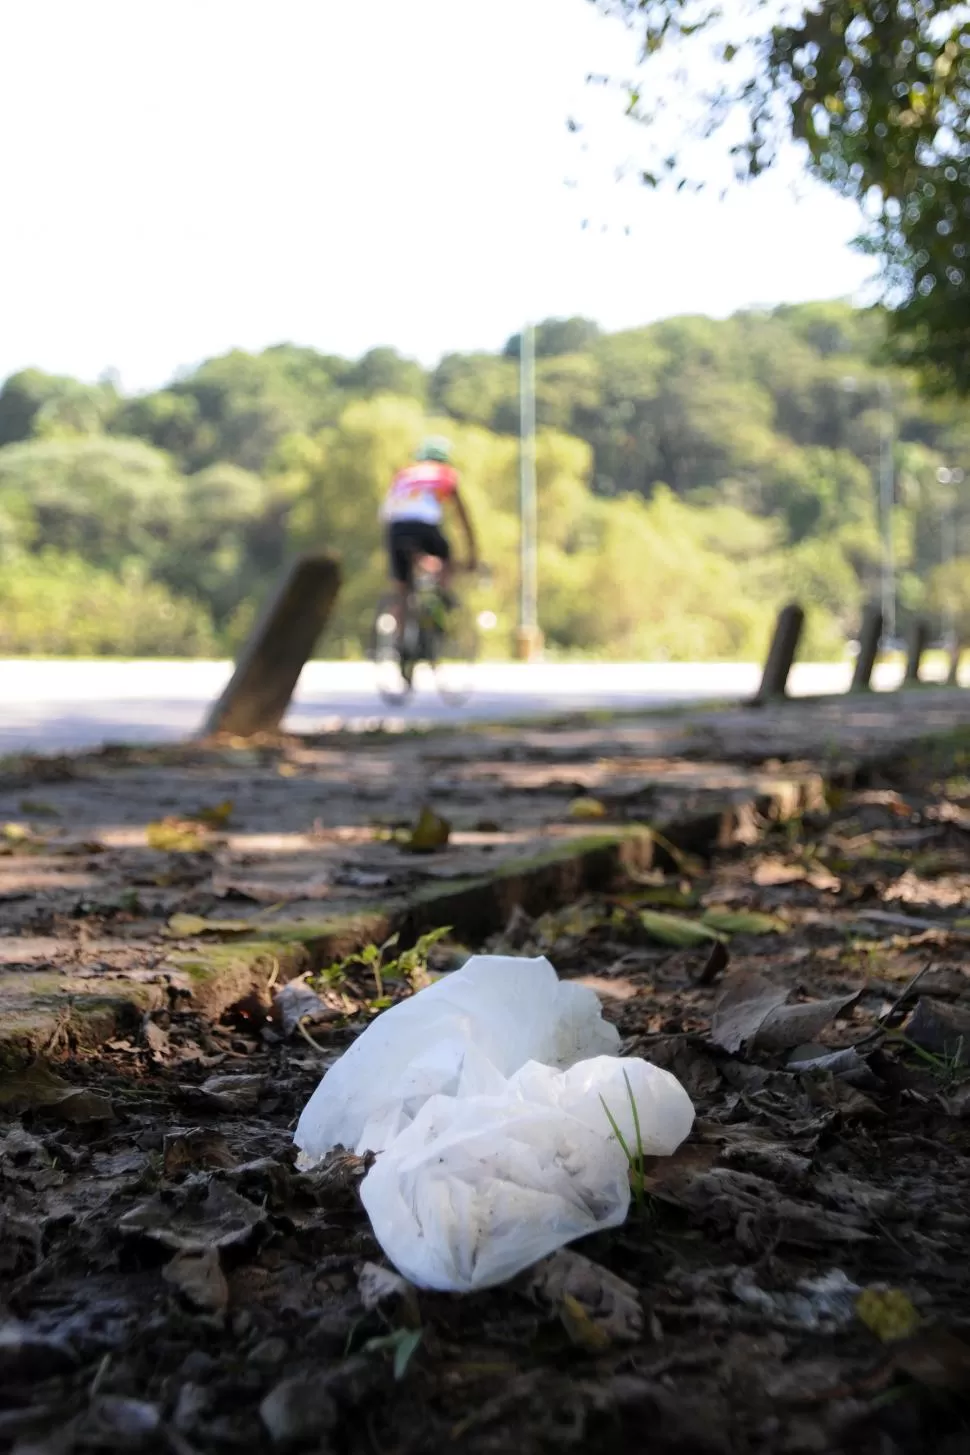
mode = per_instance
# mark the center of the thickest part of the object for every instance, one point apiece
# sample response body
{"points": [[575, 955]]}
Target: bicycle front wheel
{"points": [[455, 656], [394, 670]]}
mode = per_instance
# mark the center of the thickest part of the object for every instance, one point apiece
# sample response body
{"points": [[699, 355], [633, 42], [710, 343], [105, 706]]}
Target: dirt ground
{"points": [[97, 852], [794, 1279]]}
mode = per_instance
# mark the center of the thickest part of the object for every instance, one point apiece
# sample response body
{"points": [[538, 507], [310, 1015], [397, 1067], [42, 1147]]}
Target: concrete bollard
{"points": [[870, 635], [781, 654], [915, 647], [269, 665]]}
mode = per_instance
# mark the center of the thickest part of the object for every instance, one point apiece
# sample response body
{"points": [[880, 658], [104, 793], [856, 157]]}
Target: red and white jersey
{"points": [[419, 492]]}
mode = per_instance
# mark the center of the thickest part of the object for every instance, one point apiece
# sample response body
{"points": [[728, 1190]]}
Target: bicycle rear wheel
{"points": [[456, 653], [394, 667]]}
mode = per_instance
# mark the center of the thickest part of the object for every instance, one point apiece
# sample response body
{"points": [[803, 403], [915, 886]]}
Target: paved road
{"points": [[49, 706]]}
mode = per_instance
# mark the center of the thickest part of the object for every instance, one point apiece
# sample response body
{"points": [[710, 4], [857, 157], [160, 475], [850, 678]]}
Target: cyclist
{"points": [[412, 512]]}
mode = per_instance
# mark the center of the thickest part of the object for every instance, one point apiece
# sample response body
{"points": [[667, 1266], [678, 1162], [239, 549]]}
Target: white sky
{"points": [[180, 177]]}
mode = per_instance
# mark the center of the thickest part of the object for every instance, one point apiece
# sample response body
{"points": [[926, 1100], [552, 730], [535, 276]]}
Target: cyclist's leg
{"points": [[400, 549], [437, 544]]}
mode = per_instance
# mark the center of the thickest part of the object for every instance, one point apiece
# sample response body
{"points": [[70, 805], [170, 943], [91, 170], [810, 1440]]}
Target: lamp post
{"points": [[887, 490], [529, 636]]}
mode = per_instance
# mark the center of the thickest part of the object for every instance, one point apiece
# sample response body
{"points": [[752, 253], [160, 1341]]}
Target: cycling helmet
{"points": [[435, 448]]}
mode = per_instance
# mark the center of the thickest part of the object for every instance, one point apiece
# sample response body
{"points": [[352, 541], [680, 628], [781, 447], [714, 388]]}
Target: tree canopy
{"points": [[878, 93]]}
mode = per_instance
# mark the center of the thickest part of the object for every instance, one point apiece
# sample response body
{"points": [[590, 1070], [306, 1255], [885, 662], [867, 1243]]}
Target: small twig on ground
{"points": [[99, 1376], [892, 1016], [717, 961], [307, 1037]]}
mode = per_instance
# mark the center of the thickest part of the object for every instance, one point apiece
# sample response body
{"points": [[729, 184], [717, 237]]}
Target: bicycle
{"points": [[443, 634]]}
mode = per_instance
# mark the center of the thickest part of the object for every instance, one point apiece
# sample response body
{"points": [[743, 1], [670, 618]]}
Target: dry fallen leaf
{"points": [[296, 1002], [33, 1085], [80, 1105], [792, 1025], [888, 1312], [232, 1093], [184, 1223], [354, 878], [597, 1307], [743, 922], [665, 896], [583, 1331], [38, 808], [270, 891], [198, 1276], [175, 836], [846, 1064], [937, 1359], [190, 1148], [744, 1004], [182, 926], [753, 1012], [429, 833], [587, 808], [771, 872], [18, 838], [377, 1285], [36, 1087], [217, 816], [382, 1288], [675, 931]]}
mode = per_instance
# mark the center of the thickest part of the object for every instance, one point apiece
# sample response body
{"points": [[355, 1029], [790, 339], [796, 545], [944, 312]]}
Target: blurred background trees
{"points": [[692, 476]]}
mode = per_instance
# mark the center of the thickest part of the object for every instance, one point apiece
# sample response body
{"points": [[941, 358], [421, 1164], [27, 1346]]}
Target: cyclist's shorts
{"points": [[409, 538]]}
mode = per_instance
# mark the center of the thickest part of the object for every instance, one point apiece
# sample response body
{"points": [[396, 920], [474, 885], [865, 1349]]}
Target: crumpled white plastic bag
{"points": [[476, 1189], [463, 1036], [664, 1111], [484, 1099]]}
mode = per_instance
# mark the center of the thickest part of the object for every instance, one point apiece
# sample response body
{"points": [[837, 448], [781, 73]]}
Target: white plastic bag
{"points": [[664, 1112], [486, 1099], [474, 1191], [478, 1188], [463, 1036]]}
